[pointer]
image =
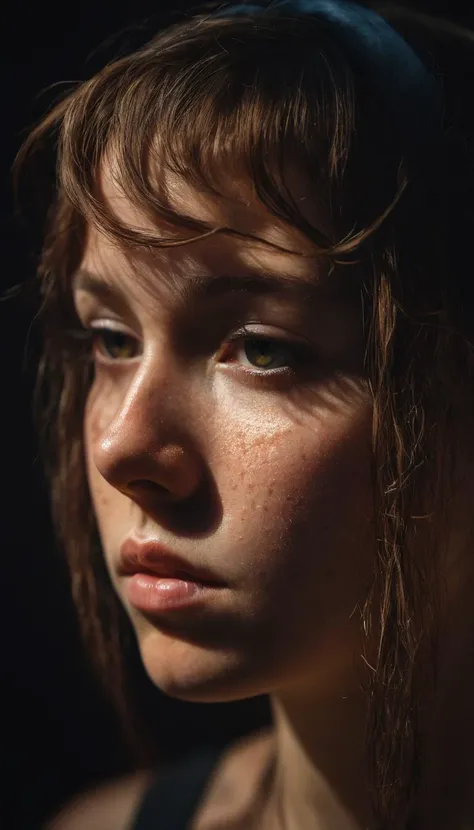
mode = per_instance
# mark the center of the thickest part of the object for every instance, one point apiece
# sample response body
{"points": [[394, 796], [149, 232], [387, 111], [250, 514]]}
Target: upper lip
{"points": [[149, 556]]}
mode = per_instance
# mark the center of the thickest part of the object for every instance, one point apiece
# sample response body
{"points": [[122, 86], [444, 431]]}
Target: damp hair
{"points": [[261, 99]]}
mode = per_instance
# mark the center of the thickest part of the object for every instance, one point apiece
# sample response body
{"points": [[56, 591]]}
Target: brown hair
{"points": [[204, 92]]}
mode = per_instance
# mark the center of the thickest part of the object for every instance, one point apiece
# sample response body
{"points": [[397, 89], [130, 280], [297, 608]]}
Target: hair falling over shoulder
{"points": [[211, 93]]}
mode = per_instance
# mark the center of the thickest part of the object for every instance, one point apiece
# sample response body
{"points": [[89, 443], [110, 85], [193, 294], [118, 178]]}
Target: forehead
{"points": [[238, 209], [169, 275]]}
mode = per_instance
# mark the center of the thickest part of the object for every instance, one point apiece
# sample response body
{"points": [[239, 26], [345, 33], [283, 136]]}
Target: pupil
{"points": [[115, 342], [259, 352]]}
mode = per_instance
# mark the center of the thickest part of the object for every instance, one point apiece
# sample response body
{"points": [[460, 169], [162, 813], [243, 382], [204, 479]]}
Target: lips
{"points": [[150, 557]]}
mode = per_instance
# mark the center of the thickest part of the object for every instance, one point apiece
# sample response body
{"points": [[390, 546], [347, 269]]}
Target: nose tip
{"points": [[150, 445], [143, 437], [170, 472]]}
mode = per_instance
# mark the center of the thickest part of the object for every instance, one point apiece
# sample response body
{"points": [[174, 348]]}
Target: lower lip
{"points": [[154, 594]]}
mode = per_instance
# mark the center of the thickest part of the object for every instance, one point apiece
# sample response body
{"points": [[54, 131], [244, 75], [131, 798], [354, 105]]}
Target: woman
{"points": [[258, 378]]}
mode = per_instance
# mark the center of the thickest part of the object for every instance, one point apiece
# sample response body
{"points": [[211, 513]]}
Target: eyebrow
{"points": [[202, 287]]}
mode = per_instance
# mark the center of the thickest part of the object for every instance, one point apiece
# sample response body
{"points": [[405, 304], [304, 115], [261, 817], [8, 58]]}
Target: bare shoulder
{"points": [[229, 795], [111, 806], [251, 752], [234, 786]]}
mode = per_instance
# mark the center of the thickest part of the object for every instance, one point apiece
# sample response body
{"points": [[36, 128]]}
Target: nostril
{"points": [[146, 486], [191, 510]]}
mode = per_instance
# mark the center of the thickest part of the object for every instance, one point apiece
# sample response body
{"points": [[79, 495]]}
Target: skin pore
{"points": [[250, 458]]}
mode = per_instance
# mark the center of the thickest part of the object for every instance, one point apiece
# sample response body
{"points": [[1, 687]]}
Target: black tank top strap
{"points": [[172, 799]]}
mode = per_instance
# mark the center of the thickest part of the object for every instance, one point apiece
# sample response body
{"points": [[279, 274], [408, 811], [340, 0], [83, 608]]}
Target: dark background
{"points": [[58, 734]]}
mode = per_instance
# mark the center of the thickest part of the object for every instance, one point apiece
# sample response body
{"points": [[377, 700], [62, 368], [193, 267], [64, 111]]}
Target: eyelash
{"points": [[300, 354]]}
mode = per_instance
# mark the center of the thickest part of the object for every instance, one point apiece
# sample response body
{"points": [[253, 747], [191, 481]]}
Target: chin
{"points": [[198, 674]]}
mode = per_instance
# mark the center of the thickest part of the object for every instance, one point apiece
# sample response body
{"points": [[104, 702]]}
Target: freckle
{"points": [[270, 491], [265, 508]]}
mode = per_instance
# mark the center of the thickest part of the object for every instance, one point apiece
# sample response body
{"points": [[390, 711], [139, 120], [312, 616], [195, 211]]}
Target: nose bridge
{"points": [[139, 411], [146, 438]]}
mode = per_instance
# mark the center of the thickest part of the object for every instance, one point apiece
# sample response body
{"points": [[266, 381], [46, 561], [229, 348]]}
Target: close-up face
{"points": [[229, 424]]}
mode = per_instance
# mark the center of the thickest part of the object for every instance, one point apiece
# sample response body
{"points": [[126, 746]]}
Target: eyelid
{"points": [[112, 324], [302, 352], [103, 297], [91, 309], [263, 332]]}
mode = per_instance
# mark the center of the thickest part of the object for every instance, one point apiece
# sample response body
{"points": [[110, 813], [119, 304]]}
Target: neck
{"points": [[320, 780]]}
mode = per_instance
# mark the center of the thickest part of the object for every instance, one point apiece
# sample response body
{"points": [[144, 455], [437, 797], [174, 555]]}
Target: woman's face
{"points": [[247, 454]]}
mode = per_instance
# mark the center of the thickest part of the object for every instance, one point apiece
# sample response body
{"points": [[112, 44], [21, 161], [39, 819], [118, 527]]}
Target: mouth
{"points": [[158, 581], [151, 558]]}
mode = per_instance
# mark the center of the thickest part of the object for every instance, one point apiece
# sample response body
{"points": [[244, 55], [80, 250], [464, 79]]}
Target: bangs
{"points": [[212, 101]]}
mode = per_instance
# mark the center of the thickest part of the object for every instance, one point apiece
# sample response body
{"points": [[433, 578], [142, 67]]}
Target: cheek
{"points": [[92, 432], [108, 503], [291, 470], [300, 510]]}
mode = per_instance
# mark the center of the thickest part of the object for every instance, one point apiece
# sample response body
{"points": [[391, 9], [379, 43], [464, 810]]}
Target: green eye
{"points": [[115, 345], [267, 354]]}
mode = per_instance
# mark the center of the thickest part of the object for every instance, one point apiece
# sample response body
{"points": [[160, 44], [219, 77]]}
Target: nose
{"points": [[146, 449]]}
